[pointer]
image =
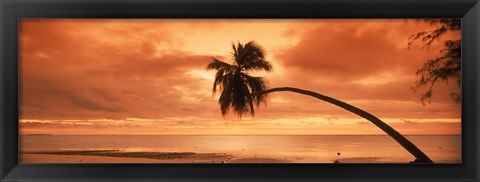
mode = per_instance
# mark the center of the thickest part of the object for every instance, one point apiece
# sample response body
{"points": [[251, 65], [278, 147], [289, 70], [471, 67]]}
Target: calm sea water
{"points": [[302, 149]]}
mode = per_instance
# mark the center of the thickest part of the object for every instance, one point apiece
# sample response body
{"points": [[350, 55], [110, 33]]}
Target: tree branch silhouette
{"points": [[444, 67]]}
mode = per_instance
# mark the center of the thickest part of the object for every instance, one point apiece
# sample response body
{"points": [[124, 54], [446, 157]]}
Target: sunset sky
{"points": [[149, 77]]}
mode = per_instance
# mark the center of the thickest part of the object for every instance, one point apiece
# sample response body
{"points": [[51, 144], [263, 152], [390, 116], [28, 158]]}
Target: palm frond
{"points": [[235, 51], [259, 65], [217, 64], [255, 50], [218, 79], [238, 51], [248, 52], [251, 56], [256, 85], [225, 99], [251, 52]]}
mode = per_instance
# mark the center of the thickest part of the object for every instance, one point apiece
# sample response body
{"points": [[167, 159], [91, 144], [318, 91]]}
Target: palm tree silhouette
{"points": [[240, 91]]}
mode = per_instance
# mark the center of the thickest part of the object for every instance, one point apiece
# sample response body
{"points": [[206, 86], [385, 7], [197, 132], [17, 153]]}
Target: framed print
{"points": [[148, 100], [239, 91]]}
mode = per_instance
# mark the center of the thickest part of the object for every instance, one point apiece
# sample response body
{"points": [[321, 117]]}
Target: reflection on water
{"points": [[310, 149]]}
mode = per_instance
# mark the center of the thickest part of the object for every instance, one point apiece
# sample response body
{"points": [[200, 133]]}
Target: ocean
{"points": [[294, 148]]}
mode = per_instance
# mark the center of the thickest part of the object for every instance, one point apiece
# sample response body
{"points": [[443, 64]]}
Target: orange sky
{"points": [[149, 77]]}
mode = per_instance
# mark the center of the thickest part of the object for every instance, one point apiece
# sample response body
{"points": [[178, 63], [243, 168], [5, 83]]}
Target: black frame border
{"points": [[12, 10]]}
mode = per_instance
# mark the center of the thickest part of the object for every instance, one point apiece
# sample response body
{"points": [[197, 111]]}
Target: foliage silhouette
{"points": [[240, 91], [444, 67]]}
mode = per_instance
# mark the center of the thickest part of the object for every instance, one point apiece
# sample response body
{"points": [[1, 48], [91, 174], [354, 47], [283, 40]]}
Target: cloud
{"points": [[352, 50], [90, 69], [406, 121], [94, 104]]}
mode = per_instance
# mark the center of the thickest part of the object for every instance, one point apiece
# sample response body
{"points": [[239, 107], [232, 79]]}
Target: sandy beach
{"points": [[58, 158], [114, 156], [367, 160], [48, 158]]}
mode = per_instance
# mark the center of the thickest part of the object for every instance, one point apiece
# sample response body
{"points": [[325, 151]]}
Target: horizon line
{"points": [[230, 135]]}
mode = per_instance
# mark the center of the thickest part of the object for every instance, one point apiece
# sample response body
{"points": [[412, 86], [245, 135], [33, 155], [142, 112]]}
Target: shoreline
{"points": [[117, 156]]}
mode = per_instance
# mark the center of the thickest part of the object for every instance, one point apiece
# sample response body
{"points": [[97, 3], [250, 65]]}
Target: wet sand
{"points": [[366, 160], [49, 158], [258, 160], [115, 156]]}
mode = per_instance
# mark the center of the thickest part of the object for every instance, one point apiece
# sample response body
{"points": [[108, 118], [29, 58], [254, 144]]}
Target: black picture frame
{"points": [[13, 10]]}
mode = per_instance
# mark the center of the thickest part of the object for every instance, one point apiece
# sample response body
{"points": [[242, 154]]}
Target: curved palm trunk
{"points": [[409, 146]]}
